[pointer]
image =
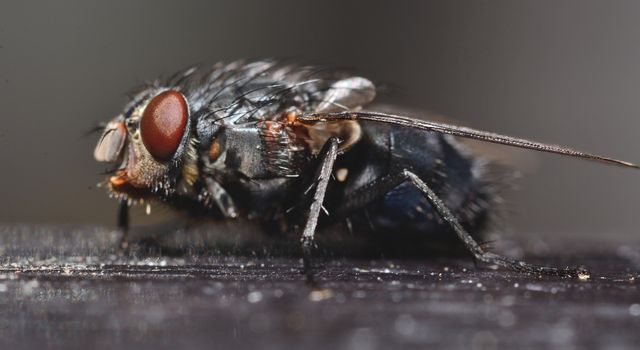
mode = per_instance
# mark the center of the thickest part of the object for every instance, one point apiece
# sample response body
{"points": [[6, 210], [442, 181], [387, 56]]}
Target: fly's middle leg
{"points": [[326, 157], [383, 185]]}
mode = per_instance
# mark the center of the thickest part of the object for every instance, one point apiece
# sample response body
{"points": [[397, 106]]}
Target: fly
{"points": [[293, 145]]}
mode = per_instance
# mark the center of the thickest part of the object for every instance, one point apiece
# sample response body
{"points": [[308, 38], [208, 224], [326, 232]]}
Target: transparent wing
{"points": [[509, 157], [461, 132]]}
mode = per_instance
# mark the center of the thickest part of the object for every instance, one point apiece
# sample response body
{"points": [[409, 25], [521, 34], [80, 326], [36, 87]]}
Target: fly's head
{"points": [[152, 141]]}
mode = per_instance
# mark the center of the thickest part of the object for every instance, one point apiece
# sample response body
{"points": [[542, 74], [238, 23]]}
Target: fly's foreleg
{"points": [[123, 224], [326, 157], [386, 184]]}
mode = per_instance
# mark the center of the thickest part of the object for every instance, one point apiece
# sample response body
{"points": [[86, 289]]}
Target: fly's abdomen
{"points": [[452, 171], [448, 168]]}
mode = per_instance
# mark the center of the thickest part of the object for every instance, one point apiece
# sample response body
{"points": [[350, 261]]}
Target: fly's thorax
{"points": [[260, 150], [153, 141], [272, 148]]}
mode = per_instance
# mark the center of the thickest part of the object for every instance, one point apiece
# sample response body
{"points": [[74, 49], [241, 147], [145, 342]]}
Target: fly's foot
{"points": [[308, 264], [523, 267], [123, 243]]}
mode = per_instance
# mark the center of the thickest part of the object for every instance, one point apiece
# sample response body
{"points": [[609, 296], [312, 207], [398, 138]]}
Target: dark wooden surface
{"points": [[70, 288]]}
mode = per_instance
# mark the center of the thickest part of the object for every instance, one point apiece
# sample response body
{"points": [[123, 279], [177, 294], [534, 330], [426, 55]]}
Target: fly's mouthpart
{"points": [[119, 183], [120, 187]]}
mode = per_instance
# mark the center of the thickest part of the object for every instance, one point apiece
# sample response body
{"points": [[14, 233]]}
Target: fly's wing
{"points": [[315, 118], [241, 92], [508, 157]]}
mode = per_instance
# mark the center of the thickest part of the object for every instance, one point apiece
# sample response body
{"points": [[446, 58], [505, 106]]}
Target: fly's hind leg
{"points": [[326, 157], [123, 224], [386, 184]]}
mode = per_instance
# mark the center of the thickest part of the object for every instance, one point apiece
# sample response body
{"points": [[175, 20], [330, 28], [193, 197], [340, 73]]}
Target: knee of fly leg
{"points": [[409, 175]]}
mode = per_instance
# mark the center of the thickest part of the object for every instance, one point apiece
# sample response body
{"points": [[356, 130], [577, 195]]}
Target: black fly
{"points": [[283, 143]]}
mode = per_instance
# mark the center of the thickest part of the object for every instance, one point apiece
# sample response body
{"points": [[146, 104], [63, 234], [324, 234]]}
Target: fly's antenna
{"points": [[94, 129], [460, 131]]}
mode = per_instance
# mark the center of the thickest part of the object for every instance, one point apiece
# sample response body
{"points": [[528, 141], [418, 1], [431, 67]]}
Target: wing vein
{"points": [[460, 131]]}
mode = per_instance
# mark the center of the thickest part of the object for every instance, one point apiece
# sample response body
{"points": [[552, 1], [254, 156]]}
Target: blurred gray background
{"points": [[563, 72]]}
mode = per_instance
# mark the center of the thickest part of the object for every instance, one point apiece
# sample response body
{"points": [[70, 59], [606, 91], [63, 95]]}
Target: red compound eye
{"points": [[163, 124]]}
